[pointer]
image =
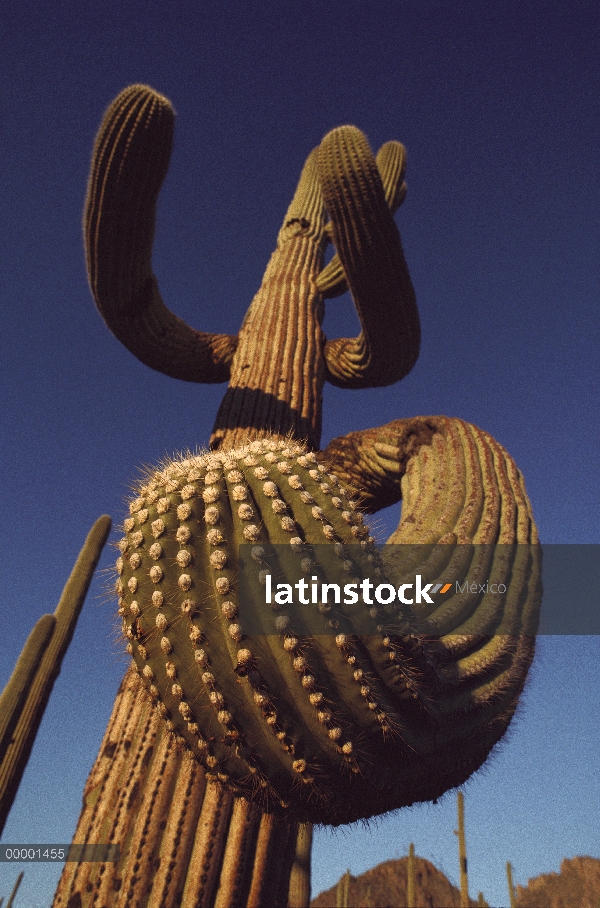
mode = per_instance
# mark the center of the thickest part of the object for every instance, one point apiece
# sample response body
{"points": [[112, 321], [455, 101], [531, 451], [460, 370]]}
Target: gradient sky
{"points": [[497, 104]]}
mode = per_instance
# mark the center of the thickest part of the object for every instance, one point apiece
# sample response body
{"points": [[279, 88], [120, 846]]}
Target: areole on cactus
{"points": [[298, 725]]}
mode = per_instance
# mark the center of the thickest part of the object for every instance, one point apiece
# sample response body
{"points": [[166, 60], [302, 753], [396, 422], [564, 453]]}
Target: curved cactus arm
{"points": [[430, 462], [282, 732], [391, 163], [129, 163], [66, 615], [464, 497], [374, 460], [369, 248]]}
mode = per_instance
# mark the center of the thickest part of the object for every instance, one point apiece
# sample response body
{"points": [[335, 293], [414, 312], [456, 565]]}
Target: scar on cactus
{"points": [[305, 727]]}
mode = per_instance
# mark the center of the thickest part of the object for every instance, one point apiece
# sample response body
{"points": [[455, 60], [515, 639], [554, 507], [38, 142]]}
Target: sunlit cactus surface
{"points": [[252, 715]]}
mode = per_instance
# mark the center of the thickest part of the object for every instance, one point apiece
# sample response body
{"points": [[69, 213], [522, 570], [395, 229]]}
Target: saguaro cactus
{"points": [[26, 695], [462, 852], [410, 878], [222, 741], [343, 891], [511, 888], [13, 894]]}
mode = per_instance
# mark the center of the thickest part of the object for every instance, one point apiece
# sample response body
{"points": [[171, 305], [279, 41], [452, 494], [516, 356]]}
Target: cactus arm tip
{"points": [[129, 163], [15, 693], [13, 894], [369, 249], [42, 659], [391, 164]]}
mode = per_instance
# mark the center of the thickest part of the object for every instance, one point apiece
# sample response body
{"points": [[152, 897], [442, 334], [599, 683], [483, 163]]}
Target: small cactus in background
{"points": [[13, 894], [343, 891], [26, 695], [19, 684], [224, 746], [511, 888], [462, 852], [410, 879]]}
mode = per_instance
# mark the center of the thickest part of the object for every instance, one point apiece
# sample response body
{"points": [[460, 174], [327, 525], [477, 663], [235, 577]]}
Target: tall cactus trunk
{"points": [[299, 891], [184, 842], [511, 888], [26, 695], [410, 880], [462, 852]]}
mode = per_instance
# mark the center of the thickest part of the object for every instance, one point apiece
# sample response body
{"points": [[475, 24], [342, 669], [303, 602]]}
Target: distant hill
{"points": [[576, 886], [385, 887]]}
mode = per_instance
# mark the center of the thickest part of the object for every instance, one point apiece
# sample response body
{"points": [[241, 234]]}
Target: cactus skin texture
{"points": [[223, 748], [26, 695]]}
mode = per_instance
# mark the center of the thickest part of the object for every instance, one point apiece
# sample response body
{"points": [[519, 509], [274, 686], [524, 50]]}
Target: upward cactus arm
{"points": [[129, 164], [15, 693], [38, 670], [391, 163], [369, 248]]}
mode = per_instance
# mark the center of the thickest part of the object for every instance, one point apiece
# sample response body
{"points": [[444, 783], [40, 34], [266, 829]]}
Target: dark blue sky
{"points": [[497, 104]]}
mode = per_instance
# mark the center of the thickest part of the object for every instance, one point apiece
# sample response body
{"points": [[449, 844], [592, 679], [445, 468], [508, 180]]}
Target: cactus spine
{"points": [[220, 746], [25, 697]]}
